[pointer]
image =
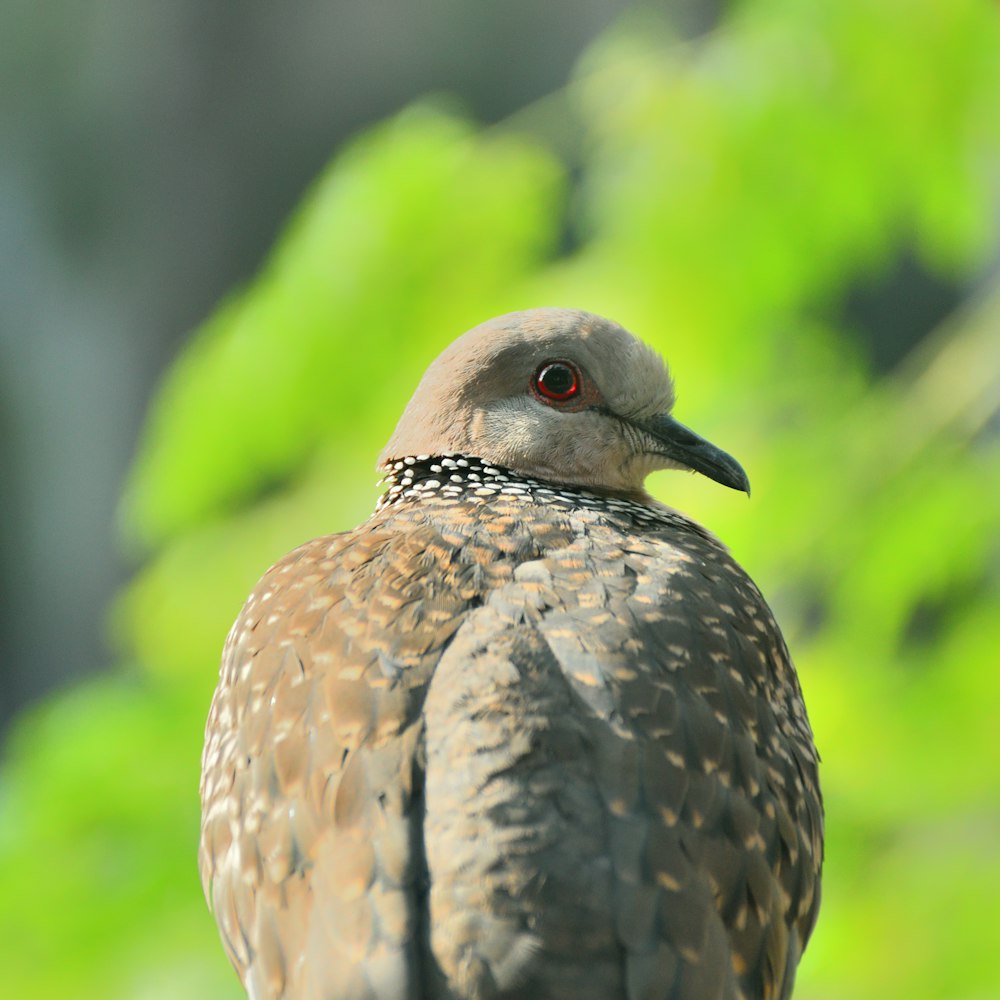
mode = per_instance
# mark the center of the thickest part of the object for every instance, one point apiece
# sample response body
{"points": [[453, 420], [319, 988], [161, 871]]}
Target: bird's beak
{"points": [[683, 446]]}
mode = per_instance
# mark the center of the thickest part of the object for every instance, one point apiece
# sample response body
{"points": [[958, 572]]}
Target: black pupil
{"points": [[558, 379]]}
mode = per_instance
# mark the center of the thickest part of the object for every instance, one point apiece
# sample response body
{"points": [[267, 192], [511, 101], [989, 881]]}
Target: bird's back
{"points": [[510, 740]]}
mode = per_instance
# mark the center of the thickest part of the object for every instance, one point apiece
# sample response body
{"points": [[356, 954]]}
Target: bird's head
{"points": [[559, 395]]}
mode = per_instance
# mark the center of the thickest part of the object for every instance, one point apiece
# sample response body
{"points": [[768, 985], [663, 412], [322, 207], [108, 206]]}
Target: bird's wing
{"points": [[310, 787], [614, 805], [704, 758], [723, 776]]}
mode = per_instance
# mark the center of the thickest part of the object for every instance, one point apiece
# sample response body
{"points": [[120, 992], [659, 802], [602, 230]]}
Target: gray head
{"points": [[560, 395]]}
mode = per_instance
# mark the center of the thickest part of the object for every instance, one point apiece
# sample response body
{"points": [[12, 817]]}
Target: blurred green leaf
{"points": [[416, 225]]}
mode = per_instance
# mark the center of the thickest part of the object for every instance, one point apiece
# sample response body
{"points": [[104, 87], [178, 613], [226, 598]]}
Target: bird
{"points": [[526, 732]]}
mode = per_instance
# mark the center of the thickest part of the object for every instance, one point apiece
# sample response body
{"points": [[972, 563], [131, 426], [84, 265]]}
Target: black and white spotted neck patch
{"points": [[420, 477]]}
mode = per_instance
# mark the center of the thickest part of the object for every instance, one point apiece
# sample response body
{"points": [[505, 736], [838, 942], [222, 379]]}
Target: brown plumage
{"points": [[525, 733]]}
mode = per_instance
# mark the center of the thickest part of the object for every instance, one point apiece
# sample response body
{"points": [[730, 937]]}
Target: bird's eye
{"points": [[557, 380]]}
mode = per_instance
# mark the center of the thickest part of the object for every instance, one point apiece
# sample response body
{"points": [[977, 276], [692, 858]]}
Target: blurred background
{"points": [[232, 237]]}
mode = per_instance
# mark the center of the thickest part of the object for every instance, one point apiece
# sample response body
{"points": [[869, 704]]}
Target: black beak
{"points": [[688, 449]]}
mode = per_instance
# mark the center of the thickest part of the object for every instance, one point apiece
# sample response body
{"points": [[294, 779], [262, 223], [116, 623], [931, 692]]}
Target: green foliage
{"points": [[732, 190], [384, 248]]}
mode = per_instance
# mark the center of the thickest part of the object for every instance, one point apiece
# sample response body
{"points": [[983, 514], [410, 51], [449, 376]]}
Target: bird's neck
{"points": [[415, 478]]}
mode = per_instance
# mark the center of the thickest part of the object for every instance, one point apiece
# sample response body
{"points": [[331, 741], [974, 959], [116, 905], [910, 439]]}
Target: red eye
{"points": [[557, 380]]}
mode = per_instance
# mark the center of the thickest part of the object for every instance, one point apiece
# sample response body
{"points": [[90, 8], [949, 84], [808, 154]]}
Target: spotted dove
{"points": [[526, 732]]}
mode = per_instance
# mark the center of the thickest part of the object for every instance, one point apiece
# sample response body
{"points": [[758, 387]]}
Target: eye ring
{"points": [[557, 381]]}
